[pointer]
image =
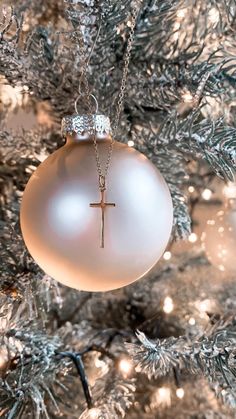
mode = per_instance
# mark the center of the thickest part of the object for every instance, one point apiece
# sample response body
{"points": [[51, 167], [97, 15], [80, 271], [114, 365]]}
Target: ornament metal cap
{"points": [[87, 124]]}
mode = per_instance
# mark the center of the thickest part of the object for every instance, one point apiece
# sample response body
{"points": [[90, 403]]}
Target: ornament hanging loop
{"points": [[102, 182], [90, 96]]}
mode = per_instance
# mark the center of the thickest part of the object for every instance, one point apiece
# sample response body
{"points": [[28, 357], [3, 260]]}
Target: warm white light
{"points": [[205, 305], [191, 189], [168, 305], [192, 238], [93, 413], [214, 15], [25, 27], [180, 393], [192, 321], [3, 360], [125, 366], [99, 363], [162, 397], [211, 222], [176, 28], [167, 255], [229, 190], [181, 13], [12, 96], [206, 194], [187, 97], [130, 143], [41, 156]]}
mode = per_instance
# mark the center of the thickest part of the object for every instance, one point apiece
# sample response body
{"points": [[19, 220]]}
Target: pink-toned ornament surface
{"points": [[62, 231]]}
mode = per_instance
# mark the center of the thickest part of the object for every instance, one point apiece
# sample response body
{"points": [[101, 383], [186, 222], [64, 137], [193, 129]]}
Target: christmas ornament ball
{"points": [[62, 231], [219, 239]]}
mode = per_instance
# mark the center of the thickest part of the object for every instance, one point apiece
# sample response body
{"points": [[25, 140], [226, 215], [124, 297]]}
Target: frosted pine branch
{"points": [[113, 397], [212, 354]]}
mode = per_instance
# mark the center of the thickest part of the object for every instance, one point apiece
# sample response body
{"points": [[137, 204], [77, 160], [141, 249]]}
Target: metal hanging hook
{"points": [[90, 95]]}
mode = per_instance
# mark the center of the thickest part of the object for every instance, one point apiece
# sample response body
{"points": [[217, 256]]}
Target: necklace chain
{"points": [[102, 174]]}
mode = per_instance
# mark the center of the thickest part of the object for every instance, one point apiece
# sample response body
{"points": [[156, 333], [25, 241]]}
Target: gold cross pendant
{"points": [[102, 204]]}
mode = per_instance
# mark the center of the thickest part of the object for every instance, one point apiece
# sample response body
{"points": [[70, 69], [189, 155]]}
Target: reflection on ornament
{"points": [[61, 230], [219, 239]]}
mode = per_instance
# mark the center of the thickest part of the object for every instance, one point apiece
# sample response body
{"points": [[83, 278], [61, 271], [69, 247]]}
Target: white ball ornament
{"points": [[62, 230]]}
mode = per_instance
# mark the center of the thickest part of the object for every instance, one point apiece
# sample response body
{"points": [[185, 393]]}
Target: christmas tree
{"points": [[164, 346]]}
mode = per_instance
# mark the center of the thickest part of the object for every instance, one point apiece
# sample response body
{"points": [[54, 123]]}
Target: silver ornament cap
{"points": [[84, 126]]}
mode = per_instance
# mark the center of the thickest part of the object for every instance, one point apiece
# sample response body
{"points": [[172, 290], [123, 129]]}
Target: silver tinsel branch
{"points": [[29, 371], [212, 354], [113, 398]]}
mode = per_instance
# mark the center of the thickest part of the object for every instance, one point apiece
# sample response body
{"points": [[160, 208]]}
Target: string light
{"points": [[161, 397], [229, 190], [206, 194], [3, 360], [192, 321], [180, 393], [192, 238], [181, 13], [41, 156], [130, 143], [168, 305], [12, 96], [205, 306], [214, 15], [187, 97], [93, 413], [191, 189], [101, 365], [167, 255], [125, 366]]}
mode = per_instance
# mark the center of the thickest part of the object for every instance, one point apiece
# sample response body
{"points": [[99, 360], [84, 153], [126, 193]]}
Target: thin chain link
{"points": [[102, 174], [126, 67]]}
